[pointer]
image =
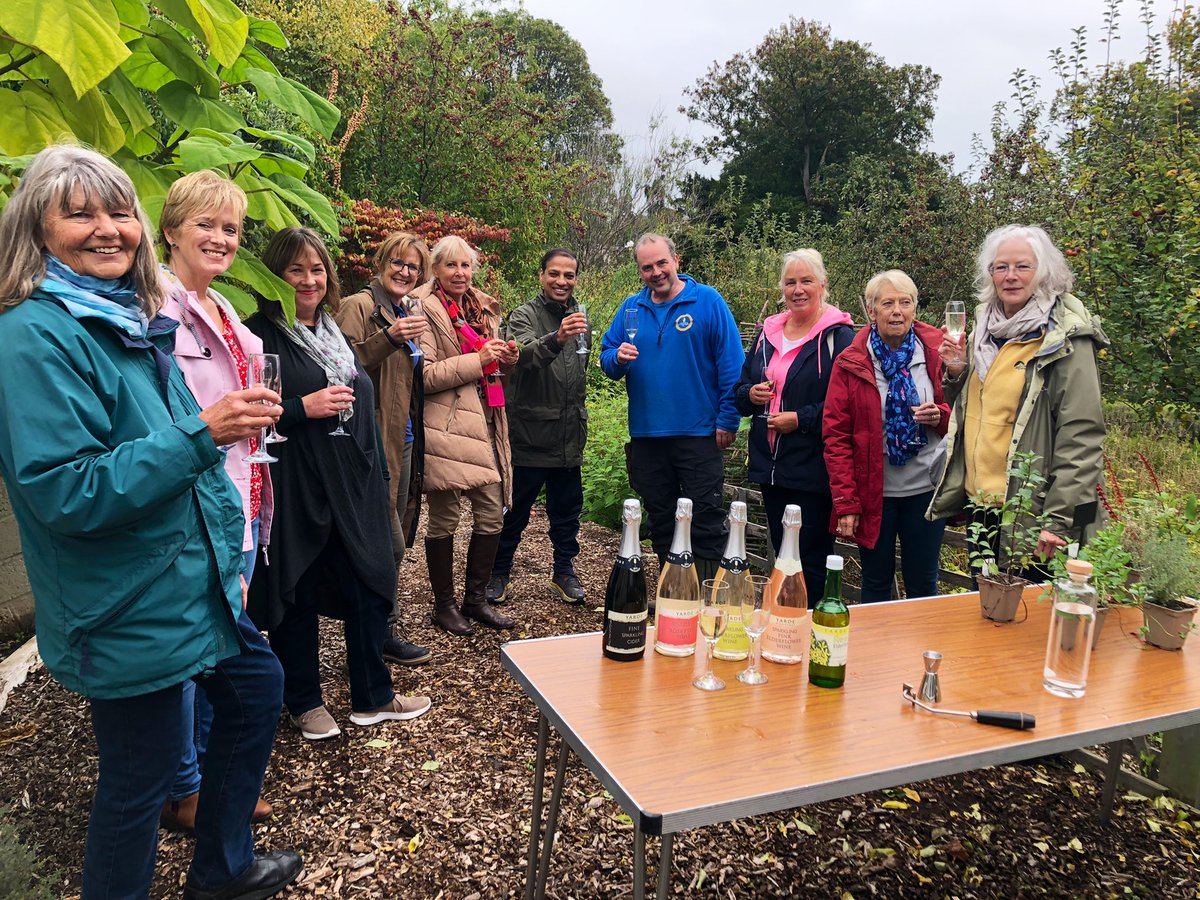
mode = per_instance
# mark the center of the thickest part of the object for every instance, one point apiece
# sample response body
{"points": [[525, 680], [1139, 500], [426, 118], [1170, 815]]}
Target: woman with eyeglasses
{"points": [[884, 424], [1025, 381], [385, 327]]}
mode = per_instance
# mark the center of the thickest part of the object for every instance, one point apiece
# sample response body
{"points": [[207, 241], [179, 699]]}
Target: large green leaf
{"points": [[263, 203], [244, 303], [277, 164], [267, 32], [143, 69], [133, 13], [305, 147], [129, 102], [222, 26], [29, 122], [82, 36], [291, 96], [251, 58], [191, 111], [152, 182], [173, 50], [208, 150], [252, 272], [93, 121], [299, 195]]}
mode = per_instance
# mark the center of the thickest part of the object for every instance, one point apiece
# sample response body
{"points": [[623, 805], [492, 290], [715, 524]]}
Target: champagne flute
{"points": [[343, 414], [259, 377], [582, 348], [631, 324], [273, 379], [770, 383], [956, 319], [755, 616], [714, 614], [413, 305]]}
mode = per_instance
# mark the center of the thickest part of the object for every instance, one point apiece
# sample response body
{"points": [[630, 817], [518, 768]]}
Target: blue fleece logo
{"points": [[684, 322]]}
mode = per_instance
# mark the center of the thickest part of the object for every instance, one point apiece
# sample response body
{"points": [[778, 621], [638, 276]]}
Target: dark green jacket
{"points": [[547, 418], [131, 530]]}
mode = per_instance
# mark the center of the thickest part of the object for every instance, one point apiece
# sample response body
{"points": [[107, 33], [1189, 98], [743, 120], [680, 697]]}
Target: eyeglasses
{"points": [[1024, 270], [905, 303], [412, 268]]}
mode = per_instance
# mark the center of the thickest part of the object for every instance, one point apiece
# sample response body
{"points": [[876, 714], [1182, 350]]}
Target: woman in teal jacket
{"points": [[131, 530]]}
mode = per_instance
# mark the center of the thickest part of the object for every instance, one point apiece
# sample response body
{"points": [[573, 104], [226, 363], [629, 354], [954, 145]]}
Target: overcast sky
{"points": [[646, 53]]}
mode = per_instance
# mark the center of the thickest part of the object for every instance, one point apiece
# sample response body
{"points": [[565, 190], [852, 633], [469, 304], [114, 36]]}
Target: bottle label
{"points": [[734, 643], [626, 632], [684, 560], [734, 565], [677, 626], [785, 635], [829, 646]]}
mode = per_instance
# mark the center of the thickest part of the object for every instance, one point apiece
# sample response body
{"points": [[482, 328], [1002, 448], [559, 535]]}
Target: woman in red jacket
{"points": [[885, 420]]}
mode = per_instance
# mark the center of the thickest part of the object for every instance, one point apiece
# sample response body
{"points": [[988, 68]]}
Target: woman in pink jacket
{"points": [[201, 226]]}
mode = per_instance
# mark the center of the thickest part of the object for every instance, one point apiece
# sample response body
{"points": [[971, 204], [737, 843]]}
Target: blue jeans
{"points": [[564, 504], [138, 740], [198, 712], [920, 550]]}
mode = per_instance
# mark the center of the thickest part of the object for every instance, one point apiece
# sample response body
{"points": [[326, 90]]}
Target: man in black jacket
{"points": [[547, 423]]}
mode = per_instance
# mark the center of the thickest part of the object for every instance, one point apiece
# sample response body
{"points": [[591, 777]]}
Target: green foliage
{"points": [[22, 875], [164, 90], [1008, 544], [605, 481], [1111, 566]]}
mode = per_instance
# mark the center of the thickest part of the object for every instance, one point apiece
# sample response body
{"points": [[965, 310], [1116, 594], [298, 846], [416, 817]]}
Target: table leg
{"points": [[639, 864], [1111, 772], [664, 866], [535, 824], [552, 818]]}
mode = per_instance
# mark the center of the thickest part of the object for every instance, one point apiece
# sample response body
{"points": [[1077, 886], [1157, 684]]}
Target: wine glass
{"points": [[413, 305], [956, 319], [770, 383], [343, 414], [631, 324], [582, 348], [273, 379], [714, 615], [259, 376], [754, 618]]}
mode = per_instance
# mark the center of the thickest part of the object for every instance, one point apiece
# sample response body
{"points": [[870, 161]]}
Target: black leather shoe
{"points": [[405, 654], [269, 874], [567, 587]]}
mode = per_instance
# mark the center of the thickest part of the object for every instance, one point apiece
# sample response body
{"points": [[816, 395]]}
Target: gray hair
{"points": [[453, 246], [813, 259], [1052, 278], [651, 237], [896, 279], [52, 177]]}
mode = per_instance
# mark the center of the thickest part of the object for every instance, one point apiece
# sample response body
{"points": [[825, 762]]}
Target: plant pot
{"points": [[1166, 627], [1101, 615], [998, 600], [1071, 627]]}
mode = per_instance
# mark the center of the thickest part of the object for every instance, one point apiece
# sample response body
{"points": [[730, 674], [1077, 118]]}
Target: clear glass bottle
{"points": [[786, 635], [827, 650], [677, 600], [625, 607], [1069, 643], [735, 572]]}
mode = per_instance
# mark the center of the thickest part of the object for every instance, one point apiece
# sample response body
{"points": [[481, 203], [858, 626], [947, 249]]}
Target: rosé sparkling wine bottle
{"points": [[787, 629], [677, 601]]}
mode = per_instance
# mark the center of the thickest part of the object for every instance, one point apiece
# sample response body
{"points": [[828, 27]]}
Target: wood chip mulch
{"points": [[439, 807]]}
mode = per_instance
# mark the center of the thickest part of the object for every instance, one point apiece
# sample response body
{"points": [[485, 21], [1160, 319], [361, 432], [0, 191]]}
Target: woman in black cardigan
{"points": [[330, 547], [783, 385]]}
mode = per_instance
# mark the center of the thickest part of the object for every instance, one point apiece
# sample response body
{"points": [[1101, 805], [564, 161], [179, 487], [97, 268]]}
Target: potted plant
{"points": [[1159, 536], [1111, 570], [1002, 546]]}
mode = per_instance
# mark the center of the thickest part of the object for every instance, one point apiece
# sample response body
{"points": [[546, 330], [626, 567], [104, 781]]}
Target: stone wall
{"points": [[16, 602]]}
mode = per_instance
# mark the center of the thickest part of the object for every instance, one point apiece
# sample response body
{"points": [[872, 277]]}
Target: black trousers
{"points": [[564, 504], [816, 543], [664, 469]]}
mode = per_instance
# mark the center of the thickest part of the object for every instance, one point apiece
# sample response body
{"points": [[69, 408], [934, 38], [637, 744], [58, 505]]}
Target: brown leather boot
{"points": [[439, 559], [481, 553], [180, 815]]}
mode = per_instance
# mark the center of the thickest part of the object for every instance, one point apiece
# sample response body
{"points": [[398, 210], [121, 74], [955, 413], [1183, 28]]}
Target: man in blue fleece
{"points": [[679, 376]]}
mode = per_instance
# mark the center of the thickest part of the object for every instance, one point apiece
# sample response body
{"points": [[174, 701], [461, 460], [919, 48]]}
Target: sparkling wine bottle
{"points": [[830, 631], [735, 572], [784, 639], [677, 601], [625, 607]]}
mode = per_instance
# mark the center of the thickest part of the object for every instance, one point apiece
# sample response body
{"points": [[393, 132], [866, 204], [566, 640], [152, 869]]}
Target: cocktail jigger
{"points": [[931, 689]]}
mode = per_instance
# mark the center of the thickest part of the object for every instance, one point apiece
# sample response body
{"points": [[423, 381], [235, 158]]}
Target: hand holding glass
{"points": [[263, 371], [631, 324], [579, 308], [714, 614], [766, 413], [956, 320], [754, 617], [413, 305]]}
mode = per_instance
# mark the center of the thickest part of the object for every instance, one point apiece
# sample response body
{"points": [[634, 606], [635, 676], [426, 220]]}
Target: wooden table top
{"points": [[676, 757]]}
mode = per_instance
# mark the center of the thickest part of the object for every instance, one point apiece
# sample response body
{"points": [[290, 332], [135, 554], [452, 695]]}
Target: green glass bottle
{"points": [[830, 631]]}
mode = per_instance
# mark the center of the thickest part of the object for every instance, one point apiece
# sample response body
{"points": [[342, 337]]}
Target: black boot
{"points": [[481, 553], [439, 558]]}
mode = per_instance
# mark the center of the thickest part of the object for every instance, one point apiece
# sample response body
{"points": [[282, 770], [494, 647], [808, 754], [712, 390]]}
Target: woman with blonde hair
{"points": [[466, 433]]}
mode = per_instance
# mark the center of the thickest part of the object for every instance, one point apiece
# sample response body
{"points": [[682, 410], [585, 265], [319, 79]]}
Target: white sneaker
{"points": [[399, 709], [316, 724]]}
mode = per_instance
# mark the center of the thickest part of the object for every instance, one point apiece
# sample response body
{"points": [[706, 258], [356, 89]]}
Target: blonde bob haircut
{"points": [[52, 178], [813, 259], [452, 247], [395, 245], [895, 279], [193, 196]]}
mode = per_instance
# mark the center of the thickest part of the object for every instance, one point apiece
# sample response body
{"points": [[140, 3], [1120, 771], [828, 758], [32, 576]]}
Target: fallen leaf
{"points": [[379, 744], [912, 795], [431, 765], [414, 842], [894, 804]]}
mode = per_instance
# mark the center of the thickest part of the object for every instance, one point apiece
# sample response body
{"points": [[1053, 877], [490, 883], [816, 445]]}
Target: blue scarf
{"points": [[113, 301], [902, 436]]}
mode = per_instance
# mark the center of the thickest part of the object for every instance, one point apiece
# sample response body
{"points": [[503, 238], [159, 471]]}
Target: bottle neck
{"points": [[833, 584], [735, 547], [789, 547], [682, 541], [630, 545]]}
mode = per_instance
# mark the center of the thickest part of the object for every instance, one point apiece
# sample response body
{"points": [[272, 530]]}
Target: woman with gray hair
{"points": [[131, 530], [783, 385], [884, 423], [1025, 381]]}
